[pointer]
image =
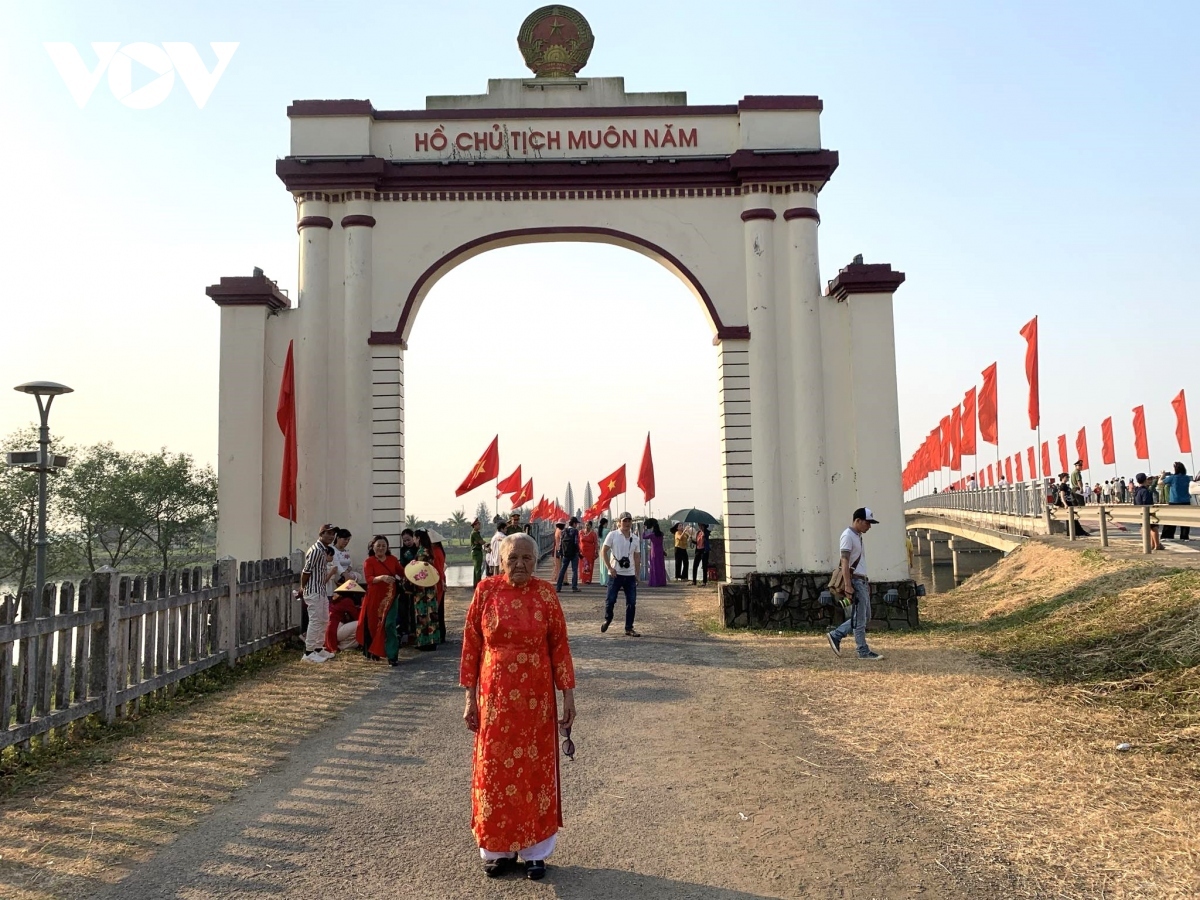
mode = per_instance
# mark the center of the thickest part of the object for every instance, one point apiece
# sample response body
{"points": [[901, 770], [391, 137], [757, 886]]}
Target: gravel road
{"points": [[689, 782]]}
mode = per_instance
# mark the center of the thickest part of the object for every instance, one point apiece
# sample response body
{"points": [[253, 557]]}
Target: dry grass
{"points": [[1003, 719], [89, 826]]}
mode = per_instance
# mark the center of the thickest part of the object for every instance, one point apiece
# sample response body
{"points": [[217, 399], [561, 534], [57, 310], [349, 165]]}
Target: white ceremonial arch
{"points": [[725, 197]]}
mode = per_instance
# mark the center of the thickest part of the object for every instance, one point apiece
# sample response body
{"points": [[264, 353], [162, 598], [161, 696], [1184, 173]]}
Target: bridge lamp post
{"points": [[42, 462]]}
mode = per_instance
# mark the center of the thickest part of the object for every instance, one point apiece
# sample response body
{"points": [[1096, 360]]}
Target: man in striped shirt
{"points": [[315, 587]]}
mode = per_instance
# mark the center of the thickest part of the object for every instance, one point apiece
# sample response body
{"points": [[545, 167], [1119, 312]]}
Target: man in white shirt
{"points": [[315, 588], [857, 587], [622, 557], [493, 554]]}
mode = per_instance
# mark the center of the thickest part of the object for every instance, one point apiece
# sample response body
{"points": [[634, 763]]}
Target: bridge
{"points": [[1003, 518]]}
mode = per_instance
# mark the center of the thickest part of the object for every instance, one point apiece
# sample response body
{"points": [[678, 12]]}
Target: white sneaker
{"points": [[325, 654], [314, 657]]}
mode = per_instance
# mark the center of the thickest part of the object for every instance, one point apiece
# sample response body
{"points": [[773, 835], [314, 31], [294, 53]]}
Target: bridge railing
{"points": [[1027, 500], [103, 644]]}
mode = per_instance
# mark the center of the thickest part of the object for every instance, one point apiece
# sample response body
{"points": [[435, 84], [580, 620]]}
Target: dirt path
{"points": [[692, 780]]}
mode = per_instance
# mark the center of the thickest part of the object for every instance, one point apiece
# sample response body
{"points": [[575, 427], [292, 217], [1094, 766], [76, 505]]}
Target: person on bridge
{"points": [[589, 549], [1176, 487], [857, 587], [515, 653], [622, 558], [1143, 496]]}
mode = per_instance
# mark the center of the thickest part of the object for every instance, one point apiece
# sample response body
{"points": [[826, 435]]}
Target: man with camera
{"points": [[623, 558], [855, 586]]}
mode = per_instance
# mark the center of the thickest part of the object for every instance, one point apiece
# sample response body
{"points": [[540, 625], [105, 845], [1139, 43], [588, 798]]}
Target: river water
{"points": [[940, 578]]}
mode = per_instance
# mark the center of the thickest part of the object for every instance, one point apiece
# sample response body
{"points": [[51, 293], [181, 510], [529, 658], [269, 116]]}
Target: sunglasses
{"points": [[568, 745]]}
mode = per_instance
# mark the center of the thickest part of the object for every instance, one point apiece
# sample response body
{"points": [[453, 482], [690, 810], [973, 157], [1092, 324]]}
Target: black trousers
{"points": [[681, 564], [1185, 531], [700, 564]]}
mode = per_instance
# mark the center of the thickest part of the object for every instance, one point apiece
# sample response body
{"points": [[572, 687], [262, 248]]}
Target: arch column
{"points": [[357, 233], [866, 290], [312, 366], [765, 447], [808, 490]]}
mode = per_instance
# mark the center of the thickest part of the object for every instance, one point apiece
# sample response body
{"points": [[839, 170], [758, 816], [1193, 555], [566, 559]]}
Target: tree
{"points": [[484, 515], [178, 502], [19, 516], [458, 524], [99, 497], [411, 522]]}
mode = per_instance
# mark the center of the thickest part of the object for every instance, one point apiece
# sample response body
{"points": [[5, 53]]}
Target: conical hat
{"points": [[350, 587], [422, 574]]}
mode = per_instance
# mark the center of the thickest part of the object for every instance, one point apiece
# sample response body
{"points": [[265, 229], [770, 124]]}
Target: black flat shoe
{"points": [[535, 869], [494, 868]]}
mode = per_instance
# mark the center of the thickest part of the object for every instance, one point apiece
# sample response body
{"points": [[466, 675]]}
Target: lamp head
{"points": [[43, 388]]}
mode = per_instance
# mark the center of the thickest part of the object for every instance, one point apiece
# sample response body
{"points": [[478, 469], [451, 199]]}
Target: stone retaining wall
{"points": [[750, 604]]}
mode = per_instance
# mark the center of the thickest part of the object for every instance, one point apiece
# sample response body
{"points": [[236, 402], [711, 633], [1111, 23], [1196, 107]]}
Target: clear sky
{"points": [[1012, 158]]}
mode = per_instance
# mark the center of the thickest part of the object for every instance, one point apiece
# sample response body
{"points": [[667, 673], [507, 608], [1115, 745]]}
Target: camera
{"points": [[623, 562]]}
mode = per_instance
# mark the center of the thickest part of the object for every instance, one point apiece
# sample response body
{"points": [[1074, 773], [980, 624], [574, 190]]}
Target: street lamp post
{"points": [[44, 392]]}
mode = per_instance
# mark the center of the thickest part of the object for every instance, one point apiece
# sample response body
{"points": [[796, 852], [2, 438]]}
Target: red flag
{"points": [[956, 439], [536, 512], [524, 495], [1081, 448], [1182, 433], [1032, 464], [1008, 469], [1030, 333], [485, 470], [935, 450], [988, 432], [991, 482], [1062, 453], [968, 423], [1108, 452], [613, 484], [596, 510], [646, 472], [1017, 462], [1046, 459], [1141, 448], [285, 415], [511, 484], [944, 437]]}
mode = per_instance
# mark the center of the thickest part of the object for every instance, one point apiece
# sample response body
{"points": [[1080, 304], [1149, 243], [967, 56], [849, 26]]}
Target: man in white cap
{"points": [[857, 586], [623, 558]]}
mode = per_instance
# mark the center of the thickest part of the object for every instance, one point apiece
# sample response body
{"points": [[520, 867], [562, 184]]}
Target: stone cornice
{"points": [[864, 278], [247, 290], [373, 173]]}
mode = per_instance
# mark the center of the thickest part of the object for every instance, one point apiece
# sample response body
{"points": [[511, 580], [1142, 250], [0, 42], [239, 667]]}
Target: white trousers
{"points": [[318, 621], [540, 850], [348, 635]]}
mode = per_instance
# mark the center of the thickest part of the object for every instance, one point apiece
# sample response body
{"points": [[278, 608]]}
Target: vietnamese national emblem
{"points": [[556, 42]]}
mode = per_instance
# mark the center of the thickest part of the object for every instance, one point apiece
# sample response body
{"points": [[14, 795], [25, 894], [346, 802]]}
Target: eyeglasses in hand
{"points": [[568, 745]]}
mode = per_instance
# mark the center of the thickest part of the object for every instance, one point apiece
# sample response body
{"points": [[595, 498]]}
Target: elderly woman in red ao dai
{"points": [[515, 653]]}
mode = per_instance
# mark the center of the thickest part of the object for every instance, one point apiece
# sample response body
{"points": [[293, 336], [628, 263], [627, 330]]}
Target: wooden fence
{"points": [[102, 645]]}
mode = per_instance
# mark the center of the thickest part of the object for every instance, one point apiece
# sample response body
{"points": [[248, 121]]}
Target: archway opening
{"points": [[571, 352]]}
